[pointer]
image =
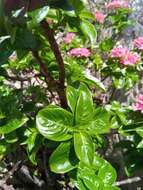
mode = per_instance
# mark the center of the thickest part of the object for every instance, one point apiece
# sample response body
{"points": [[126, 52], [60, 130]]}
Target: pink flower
{"points": [[138, 42], [125, 56], [100, 17], [69, 37], [130, 59], [79, 52], [138, 106], [115, 4], [119, 52]]}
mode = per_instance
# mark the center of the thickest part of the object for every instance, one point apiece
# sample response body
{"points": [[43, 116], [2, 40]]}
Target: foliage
{"points": [[51, 105]]}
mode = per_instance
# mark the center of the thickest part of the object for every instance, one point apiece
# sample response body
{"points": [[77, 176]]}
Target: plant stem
{"points": [[49, 79], [49, 33]]}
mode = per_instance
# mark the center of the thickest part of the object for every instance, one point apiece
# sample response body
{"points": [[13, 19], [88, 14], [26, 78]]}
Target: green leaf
{"points": [[107, 173], [100, 122], [90, 179], [84, 107], [55, 123], [72, 96], [80, 185], [63, 158], [106, 45], [25, 40], [3, 38], [37, 16], [11, 137], [34, 142], [89, 30], [3, 148], [78, 5], [86, 14], [31, 141], [140, 145], [84, 147], [94, 81], [13, 125], [5, 51], [139, 131], [32, 154], [98, 162]]}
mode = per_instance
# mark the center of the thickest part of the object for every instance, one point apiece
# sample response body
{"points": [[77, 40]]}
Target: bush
{"points": [[59, 113]]}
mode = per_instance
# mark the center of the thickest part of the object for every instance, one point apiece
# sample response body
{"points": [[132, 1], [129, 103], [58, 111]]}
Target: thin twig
{"points": [[11, 172], [128, 181]]}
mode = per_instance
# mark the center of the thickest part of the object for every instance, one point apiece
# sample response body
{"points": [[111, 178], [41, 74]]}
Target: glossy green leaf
{"points": [[100, 122], [95, 81], [107, 173], [98, 162], [72, 96], [89, 30], [32, 154], [37, 16], [90, 179], [84, 147], [84, 107], [140, 145], [80, 185], [55, 123], [3, 38], [34, 142], [31, 141], [13, 125], [63, 158]]}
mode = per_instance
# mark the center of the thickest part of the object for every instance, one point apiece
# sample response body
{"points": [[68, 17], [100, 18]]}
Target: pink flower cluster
{"points": [[138, 42], [115, 4], [125, 56], [69, 37], [138, 106], [100, 17], [79, 52]]}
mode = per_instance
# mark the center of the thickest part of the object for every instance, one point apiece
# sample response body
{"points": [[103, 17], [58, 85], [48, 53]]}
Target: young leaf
{"points": [[63, 158], [72, 96], [55, 123], [84, 107], [84, 147]]}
